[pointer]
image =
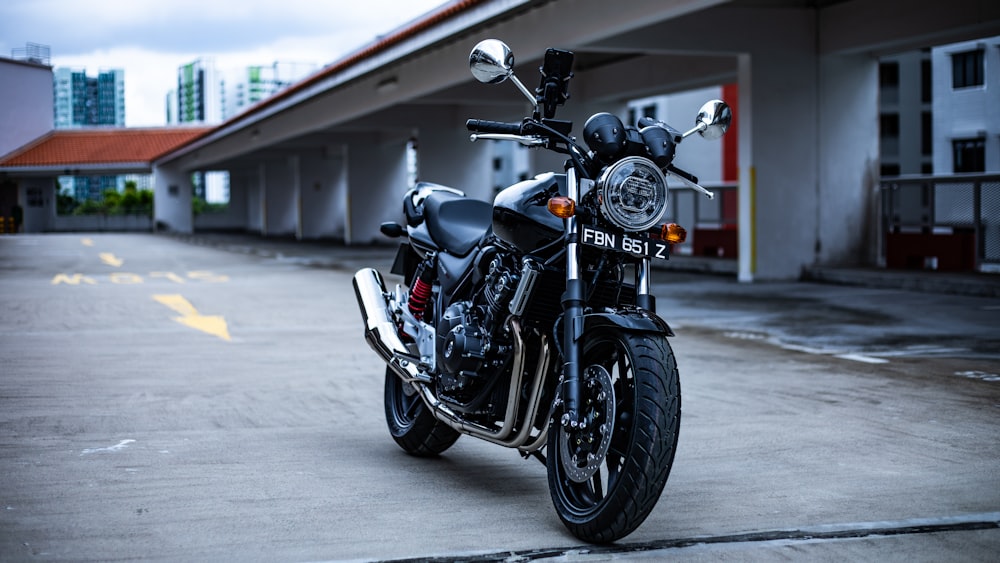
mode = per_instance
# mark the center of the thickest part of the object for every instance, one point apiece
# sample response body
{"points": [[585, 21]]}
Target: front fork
{"points": [[573, 301]]}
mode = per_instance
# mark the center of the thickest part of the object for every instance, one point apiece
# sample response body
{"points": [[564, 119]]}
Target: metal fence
{"points": [[711, 223], [941, 222]]}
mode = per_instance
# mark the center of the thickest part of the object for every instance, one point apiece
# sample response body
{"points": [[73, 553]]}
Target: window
{"points": [[888, 75], [926, 82], [969, 155], [926, 133], [889, 125], [967, 69], [890, 169]]}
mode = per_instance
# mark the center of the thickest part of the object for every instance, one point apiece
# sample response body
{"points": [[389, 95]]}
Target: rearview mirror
{"points": [[713, 119], [491, 61]]}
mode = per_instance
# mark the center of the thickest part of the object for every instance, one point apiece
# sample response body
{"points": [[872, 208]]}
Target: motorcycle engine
{"points": [[472, 345]]}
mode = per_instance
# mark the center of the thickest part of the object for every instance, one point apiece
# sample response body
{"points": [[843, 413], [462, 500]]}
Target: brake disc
{"points": [[582, 450]]}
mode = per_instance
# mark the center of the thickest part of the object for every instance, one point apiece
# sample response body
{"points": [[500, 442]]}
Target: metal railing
{"points": [[714, 219], [941, 222]]}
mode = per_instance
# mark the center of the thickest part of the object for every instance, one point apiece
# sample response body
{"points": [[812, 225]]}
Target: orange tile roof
{"points": [[101, 146]]}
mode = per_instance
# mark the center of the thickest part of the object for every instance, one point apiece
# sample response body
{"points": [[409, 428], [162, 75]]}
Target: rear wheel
{"points": [[410, 422], [606, 479]]}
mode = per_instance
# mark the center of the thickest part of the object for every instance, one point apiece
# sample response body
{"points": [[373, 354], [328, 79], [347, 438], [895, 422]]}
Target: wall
{"points": [[322, 196], [376, 172], [25, 103]]}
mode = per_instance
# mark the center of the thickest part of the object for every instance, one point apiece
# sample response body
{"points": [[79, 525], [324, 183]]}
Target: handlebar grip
{"points": [[647, 122], [484, 126]]}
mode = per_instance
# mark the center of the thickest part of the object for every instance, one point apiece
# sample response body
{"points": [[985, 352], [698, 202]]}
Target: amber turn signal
{"points": [[673, 233], [562, 207]]}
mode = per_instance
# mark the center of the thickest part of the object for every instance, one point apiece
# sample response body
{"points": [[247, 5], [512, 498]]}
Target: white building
{"points": [[247, 86], [967, 106], [197, 97], [26, 114]]}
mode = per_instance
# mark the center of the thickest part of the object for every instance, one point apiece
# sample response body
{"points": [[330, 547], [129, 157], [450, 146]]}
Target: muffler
{"points": [[380, 331]]}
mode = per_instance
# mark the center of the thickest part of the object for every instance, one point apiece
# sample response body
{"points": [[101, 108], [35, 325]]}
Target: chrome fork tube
{"points": [[572, 302], [643, 298]]}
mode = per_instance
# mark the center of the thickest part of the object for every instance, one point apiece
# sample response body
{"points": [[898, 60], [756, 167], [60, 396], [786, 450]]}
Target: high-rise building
{"points": [[89, 101], [84, 101], [197, 96], [252, 84]]}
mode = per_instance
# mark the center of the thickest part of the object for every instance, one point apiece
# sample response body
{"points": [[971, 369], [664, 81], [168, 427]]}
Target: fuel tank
{"points": [[520, 215]]}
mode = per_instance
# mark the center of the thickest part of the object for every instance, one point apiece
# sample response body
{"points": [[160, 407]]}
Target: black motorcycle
{"points": [[529, 323]]}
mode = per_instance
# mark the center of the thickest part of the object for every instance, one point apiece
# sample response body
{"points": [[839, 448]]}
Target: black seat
{"points": [[456, 223]]}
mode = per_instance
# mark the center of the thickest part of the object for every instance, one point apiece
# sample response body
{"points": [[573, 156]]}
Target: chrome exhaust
{"points": [[380, 331], [382, 336]]}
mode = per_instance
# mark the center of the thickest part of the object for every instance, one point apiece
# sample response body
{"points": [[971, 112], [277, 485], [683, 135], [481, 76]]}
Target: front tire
{"points": [[410, 422], [607, 501]]}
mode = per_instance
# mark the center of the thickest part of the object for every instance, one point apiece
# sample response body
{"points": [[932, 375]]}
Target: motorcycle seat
{"points": [[456, 223]]}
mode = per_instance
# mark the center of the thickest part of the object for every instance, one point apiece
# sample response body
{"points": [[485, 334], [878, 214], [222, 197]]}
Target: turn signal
{"points": [[562, 207], [673, 233]]}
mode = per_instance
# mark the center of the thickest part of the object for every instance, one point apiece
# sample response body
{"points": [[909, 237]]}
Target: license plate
{"points": [[634, 244]]}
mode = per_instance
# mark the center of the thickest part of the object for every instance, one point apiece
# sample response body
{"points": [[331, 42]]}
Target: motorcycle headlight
{"points": [[633, 193]]}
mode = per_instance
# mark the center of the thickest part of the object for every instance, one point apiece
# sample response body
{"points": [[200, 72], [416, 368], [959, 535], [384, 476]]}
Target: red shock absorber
{"points": [[420, 293]]}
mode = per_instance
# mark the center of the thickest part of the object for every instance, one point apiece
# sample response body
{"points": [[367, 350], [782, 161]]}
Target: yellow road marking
{"points": [[111, 259], [73, 279], [87, 242], [211, 324]]}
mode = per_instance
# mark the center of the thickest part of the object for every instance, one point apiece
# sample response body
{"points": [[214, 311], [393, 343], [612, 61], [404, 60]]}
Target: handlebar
{"points": [[484, 126]]}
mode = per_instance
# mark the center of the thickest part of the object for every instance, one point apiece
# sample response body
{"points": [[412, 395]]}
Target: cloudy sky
{"points": [[150, 39]]}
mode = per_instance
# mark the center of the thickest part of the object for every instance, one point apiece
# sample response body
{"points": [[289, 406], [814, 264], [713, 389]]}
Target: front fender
{"points": [[629, 320]]}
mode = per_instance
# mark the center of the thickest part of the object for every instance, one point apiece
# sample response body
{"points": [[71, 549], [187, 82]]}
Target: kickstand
{"points": [[537, 454]]}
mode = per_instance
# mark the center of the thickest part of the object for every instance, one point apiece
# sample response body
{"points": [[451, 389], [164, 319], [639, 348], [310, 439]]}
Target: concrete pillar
{"points": [[376, 181], [172, 191], [808, 160], [847, 206], [322, 194]]}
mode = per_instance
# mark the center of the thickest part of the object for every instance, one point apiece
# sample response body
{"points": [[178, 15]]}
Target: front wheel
{"points": [[606, 479], [411, 424]]}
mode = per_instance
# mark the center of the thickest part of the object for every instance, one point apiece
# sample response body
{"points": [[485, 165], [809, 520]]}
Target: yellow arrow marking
{"points": [[111, 259], [211, 324], [87, 242]]}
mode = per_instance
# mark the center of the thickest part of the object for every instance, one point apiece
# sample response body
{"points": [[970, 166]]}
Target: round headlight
{"points": [[633, 193]]}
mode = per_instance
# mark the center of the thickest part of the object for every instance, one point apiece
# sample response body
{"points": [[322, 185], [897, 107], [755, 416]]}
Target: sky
{"points": [[150, 39]]}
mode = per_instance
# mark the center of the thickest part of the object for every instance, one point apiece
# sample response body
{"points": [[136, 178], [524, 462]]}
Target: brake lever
{"points": [[689, 181], [525, 140]]}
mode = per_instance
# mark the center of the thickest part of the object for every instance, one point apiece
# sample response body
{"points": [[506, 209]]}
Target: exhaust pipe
{"points": [[380, 331], [381, 335]]}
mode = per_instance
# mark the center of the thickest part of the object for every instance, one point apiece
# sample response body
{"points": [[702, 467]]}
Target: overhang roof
{"points": [[101, 145], [98, 148]]}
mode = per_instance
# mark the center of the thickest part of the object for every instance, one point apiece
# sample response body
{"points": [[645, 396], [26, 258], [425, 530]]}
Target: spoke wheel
{"points": [[605, 497]]}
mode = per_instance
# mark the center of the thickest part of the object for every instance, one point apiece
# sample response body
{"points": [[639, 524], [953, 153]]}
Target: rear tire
{"points": [[617, 497], [410, 422]]}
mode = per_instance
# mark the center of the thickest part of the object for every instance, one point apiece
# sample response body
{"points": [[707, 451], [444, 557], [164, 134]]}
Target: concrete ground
{"points": [[212, 399]]}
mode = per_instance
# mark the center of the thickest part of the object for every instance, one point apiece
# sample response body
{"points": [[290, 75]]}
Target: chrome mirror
{"points": [[491, 61], [713, 120]]}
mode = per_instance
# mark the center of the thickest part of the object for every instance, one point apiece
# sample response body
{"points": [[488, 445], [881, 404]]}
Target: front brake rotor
{"points": [[582, 450]]}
